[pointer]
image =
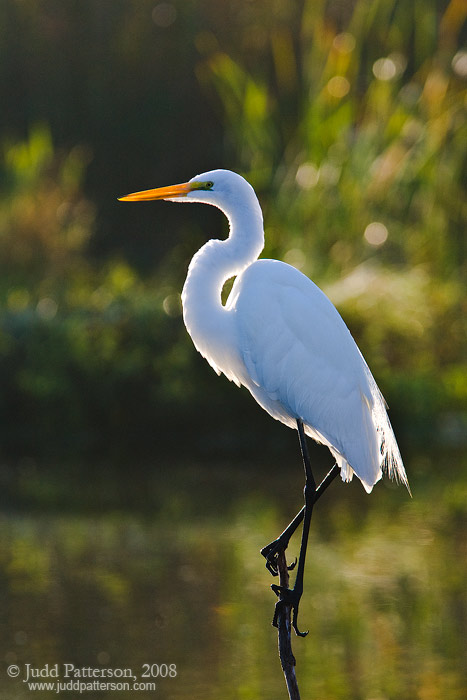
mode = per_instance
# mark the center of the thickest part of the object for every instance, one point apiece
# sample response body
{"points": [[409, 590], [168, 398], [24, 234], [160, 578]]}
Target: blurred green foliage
{"points": [[349, 120]]}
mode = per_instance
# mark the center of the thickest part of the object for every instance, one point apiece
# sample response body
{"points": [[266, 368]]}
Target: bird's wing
{"points": [[300, 355]]}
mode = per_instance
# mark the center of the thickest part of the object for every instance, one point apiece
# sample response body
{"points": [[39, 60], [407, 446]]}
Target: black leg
{"points": [[292, 596], [271, 550]]}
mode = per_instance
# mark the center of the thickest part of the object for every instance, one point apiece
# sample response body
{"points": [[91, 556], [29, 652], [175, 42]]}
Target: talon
{"points": [[292, 566], [291, 598], [294, 624], [270, 552], [272, 568], [279, 589], [279, 605], [271, 559]]}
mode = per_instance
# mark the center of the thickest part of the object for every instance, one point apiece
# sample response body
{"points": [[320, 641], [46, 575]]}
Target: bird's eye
{"points": [[209, 185]]}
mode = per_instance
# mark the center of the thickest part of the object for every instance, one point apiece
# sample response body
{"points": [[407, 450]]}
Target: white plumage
{"points": [[280, 336]]}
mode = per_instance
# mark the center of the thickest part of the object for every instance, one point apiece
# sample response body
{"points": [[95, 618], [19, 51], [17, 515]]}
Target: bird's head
{"points": [[221, 188]]}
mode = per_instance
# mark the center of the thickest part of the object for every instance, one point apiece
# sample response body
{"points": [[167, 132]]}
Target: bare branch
{"points": [[284, 634]]}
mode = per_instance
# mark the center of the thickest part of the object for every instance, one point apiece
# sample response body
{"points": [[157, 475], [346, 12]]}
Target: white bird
{"points": [[281, 337]]}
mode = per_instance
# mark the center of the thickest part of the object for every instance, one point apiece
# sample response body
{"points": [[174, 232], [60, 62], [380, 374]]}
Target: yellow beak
{"points": [[159, 193]]}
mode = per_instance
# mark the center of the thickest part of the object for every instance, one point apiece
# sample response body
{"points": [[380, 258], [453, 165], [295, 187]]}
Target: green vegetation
{"points": [[352, 128]]}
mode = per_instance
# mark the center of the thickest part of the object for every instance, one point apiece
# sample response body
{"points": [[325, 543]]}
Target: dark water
{"points": [[179, 593]]}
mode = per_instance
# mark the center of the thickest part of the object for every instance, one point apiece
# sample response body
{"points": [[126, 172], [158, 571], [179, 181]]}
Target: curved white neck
{"points": [[217, 261]]}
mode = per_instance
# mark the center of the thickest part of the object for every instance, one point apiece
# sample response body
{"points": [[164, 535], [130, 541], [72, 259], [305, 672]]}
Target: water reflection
{"points": [[385, 594]]}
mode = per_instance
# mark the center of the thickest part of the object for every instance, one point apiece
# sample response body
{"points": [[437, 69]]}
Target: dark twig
{"points": [[284, 633]]}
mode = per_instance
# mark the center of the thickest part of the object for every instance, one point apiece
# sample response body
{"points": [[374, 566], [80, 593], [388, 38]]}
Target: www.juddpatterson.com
{"points": [[60, 678]]}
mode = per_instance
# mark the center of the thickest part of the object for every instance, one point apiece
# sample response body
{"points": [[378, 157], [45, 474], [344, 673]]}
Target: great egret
{"points": [[281, 337]]}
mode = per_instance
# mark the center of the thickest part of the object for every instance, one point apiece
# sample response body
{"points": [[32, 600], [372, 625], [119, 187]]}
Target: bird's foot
{"points": [[271, 553], [289, 597]]}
